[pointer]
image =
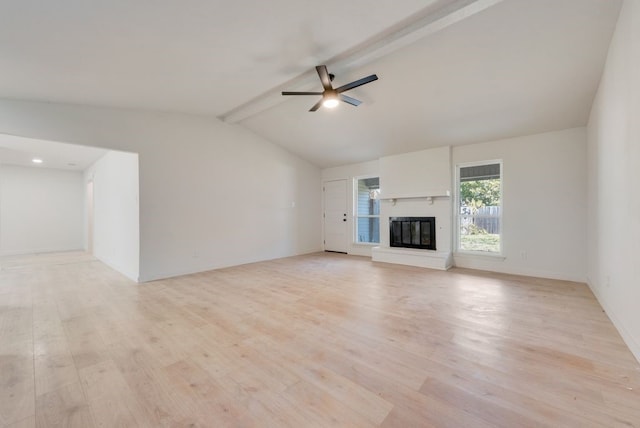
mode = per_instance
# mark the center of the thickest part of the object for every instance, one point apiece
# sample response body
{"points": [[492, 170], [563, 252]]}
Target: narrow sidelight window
{"points": [[367, 209]]}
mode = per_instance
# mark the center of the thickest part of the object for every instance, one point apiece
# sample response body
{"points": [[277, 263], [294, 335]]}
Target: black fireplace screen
{"points": [[413, 232]]}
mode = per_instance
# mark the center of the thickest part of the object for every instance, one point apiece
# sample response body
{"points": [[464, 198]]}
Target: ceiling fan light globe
{"points": [[330, 102]]}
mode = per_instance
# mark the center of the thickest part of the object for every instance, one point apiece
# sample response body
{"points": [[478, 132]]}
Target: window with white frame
{"points": [[479, 207], [367, 210]]}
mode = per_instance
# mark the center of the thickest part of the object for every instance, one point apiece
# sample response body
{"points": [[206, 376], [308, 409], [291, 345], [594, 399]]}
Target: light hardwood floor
{"points": [[319, 340]]}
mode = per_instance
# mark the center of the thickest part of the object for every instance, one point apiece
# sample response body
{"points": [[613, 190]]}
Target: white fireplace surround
{"points": [[416, 185], [441, 258]]}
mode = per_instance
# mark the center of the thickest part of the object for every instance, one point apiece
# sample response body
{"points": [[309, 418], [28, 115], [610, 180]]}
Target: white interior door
{"points": [[335, 216]]}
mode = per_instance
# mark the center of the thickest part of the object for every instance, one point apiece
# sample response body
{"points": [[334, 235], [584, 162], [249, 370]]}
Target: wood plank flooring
{"points": [[320, 340]]}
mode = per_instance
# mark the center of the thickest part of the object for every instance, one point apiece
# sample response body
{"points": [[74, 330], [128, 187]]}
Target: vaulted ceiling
{"points": [[451, 71]]}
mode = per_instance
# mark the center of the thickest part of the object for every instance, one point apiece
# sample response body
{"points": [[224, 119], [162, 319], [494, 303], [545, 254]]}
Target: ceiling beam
{"points": [[416, 27]]}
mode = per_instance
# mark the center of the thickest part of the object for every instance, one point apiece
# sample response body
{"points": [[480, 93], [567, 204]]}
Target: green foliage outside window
{"points": [[476, 197], [480, 193]]}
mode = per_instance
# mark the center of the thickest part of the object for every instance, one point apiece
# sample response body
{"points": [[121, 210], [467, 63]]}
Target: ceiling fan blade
{"points": [[317, 105], [350, 100], [357, 83], [300, 93], [324, 77]]}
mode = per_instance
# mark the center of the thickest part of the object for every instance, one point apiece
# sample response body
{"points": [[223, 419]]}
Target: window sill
{"points": [[366, 244], [480, 255]]}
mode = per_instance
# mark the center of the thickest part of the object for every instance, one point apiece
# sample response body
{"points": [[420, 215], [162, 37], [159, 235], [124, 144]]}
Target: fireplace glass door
{"points": [[413, 232]]}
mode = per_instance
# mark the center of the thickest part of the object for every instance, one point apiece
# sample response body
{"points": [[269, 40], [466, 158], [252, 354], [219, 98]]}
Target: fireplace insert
{"points": [[413, 232]]}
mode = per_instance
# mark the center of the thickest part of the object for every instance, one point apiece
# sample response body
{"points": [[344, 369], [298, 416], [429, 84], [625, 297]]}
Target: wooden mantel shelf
{"points": [[429, 196], [421, 195]]}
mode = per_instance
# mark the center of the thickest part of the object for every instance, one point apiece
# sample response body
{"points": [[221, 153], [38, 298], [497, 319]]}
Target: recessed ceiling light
{"points": [[36, 160]]}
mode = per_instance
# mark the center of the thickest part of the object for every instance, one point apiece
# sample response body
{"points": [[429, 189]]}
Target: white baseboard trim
{"points": [[39, 251], [492, 264], [632, 342], [129, 275], [157, 276]]}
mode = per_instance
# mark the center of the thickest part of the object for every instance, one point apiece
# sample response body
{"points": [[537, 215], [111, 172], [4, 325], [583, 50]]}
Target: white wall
{"points": [[116, 227], [544, 204], [545, 201], [421, 173], [211, 194], [614, 176], [40, 210], [398, 173], [349, 172]]}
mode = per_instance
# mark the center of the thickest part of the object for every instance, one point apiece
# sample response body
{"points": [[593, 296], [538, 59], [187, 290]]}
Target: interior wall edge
{"points": [[632, 343]]}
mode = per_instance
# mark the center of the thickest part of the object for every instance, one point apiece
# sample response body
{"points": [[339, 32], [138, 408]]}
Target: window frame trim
{"points": [[354, 201], [456, 209]]}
